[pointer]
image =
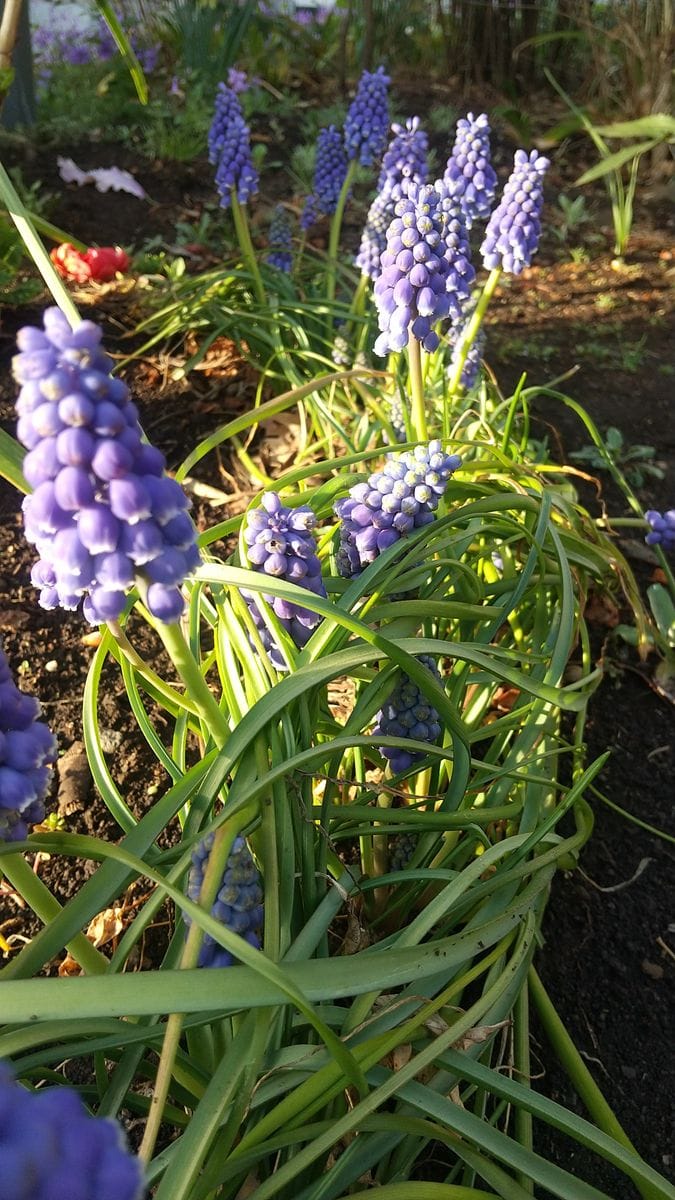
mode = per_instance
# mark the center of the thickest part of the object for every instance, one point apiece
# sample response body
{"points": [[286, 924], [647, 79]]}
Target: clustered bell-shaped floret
{"points": [[401, 849], [281, 240], [102, 511], [309, 212], [238, 904], [367, 121], [374, 236], [472, 363], [408, 714], [400, 498], [27, 751], [405, 158], [662, 532], [330, 170], [51, 1148], [469, 174], [513, 231], [280, 543], [230, 149], [397, 420], [425, 269]]}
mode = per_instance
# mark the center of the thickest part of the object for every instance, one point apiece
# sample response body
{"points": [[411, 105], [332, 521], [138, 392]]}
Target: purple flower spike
{"points": [[280, 542], [367, 121], [400, 498], [238, 904], [662, 529], [469, 175], [230, 149], [404, 159], [52, 1149], [27, 750], [407, 713], [513, 231], [102, 507], [281, 240], [471, 369], [330, 170]]}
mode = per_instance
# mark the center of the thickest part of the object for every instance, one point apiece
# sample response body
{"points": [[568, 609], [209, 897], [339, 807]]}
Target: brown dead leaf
{"points": [[455, 1096], [69, 967], [92, 639], [601, 610], [479, 1034], [105, 926]]}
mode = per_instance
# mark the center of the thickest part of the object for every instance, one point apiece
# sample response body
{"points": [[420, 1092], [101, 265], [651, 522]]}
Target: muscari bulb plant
{"points": [[281, 240], [327, 734], [27, 752], [469, 174]]}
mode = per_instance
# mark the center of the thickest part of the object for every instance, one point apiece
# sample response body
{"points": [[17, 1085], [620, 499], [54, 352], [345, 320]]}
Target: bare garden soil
{"points": [[607, 956]]}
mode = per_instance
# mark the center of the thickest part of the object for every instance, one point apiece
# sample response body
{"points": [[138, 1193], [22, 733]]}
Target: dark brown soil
{"points": [[608, 956]]}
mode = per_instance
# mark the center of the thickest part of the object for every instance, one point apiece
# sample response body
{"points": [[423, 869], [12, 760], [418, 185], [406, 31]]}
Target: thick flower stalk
{"points": [[367, 121], [408, 714], [51, 1148], [513, 231], [469, 174], [425, 269], [405, 158], [662, 532], [230, 149], [103, 514], [280, 542], [330, 171], [238, 905], [400, 498], [27, 752], [281, 240]]}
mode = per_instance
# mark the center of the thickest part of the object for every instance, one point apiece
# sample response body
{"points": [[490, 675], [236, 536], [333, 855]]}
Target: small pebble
{"points": [[51, 666], [653, 970]]}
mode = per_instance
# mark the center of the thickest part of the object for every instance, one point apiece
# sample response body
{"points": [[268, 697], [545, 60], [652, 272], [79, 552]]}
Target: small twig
{"points": [[618, 887]]}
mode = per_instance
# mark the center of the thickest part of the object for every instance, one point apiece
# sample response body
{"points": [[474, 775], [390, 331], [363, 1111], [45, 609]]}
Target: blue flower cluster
{"points": [[401, 849], [280, 542], [281, 240], [27, 750], [367, 121], [407, 713], [469, 174], [404, 159], [238, 904], [662, 529], [374, 236], [230, 149], [513, 231], [103, 512], [403, 496], [425, 269], [397, 419], [309, 212], [330, 169], [474, 357], [51, 1148]]}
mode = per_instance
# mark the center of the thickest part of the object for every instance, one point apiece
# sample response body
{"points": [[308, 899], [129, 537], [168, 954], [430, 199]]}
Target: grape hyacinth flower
{"points": [[407, 713], [27, 751], [367, 121], [281, 240], [280, 542], [403, 496], [513, 231], [51, 1148], [238, 904], [425, 269], [330, 171], [474, 355], [309, 212], [469, 175], [404, 159], [102, 514], [374, 236], [397, 420], [662, 532], [230, 149]]}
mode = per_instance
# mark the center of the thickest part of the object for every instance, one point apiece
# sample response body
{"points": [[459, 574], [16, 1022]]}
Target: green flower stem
{"points": [[126, 650], [521, 1040], [246, 246], [580, 1076], [198, 691], [334, 239], [418, 413], [40, 900], [21, 218], [473, 327]]}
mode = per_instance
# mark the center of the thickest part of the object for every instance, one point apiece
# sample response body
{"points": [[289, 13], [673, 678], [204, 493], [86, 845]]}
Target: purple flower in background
{"points": [[469, 175], [374, 236], [397, 420], [230, 149], [400, 498], [456, 337], [513, 231], [662, 529], [281, 240], [408, 714], [238, 904], [331, 169], [425, 269], [309, 212], [404, 159], [237, 81], [102, 514], [367, 121], [53, 1149], [27, 751], [280, 542]]}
